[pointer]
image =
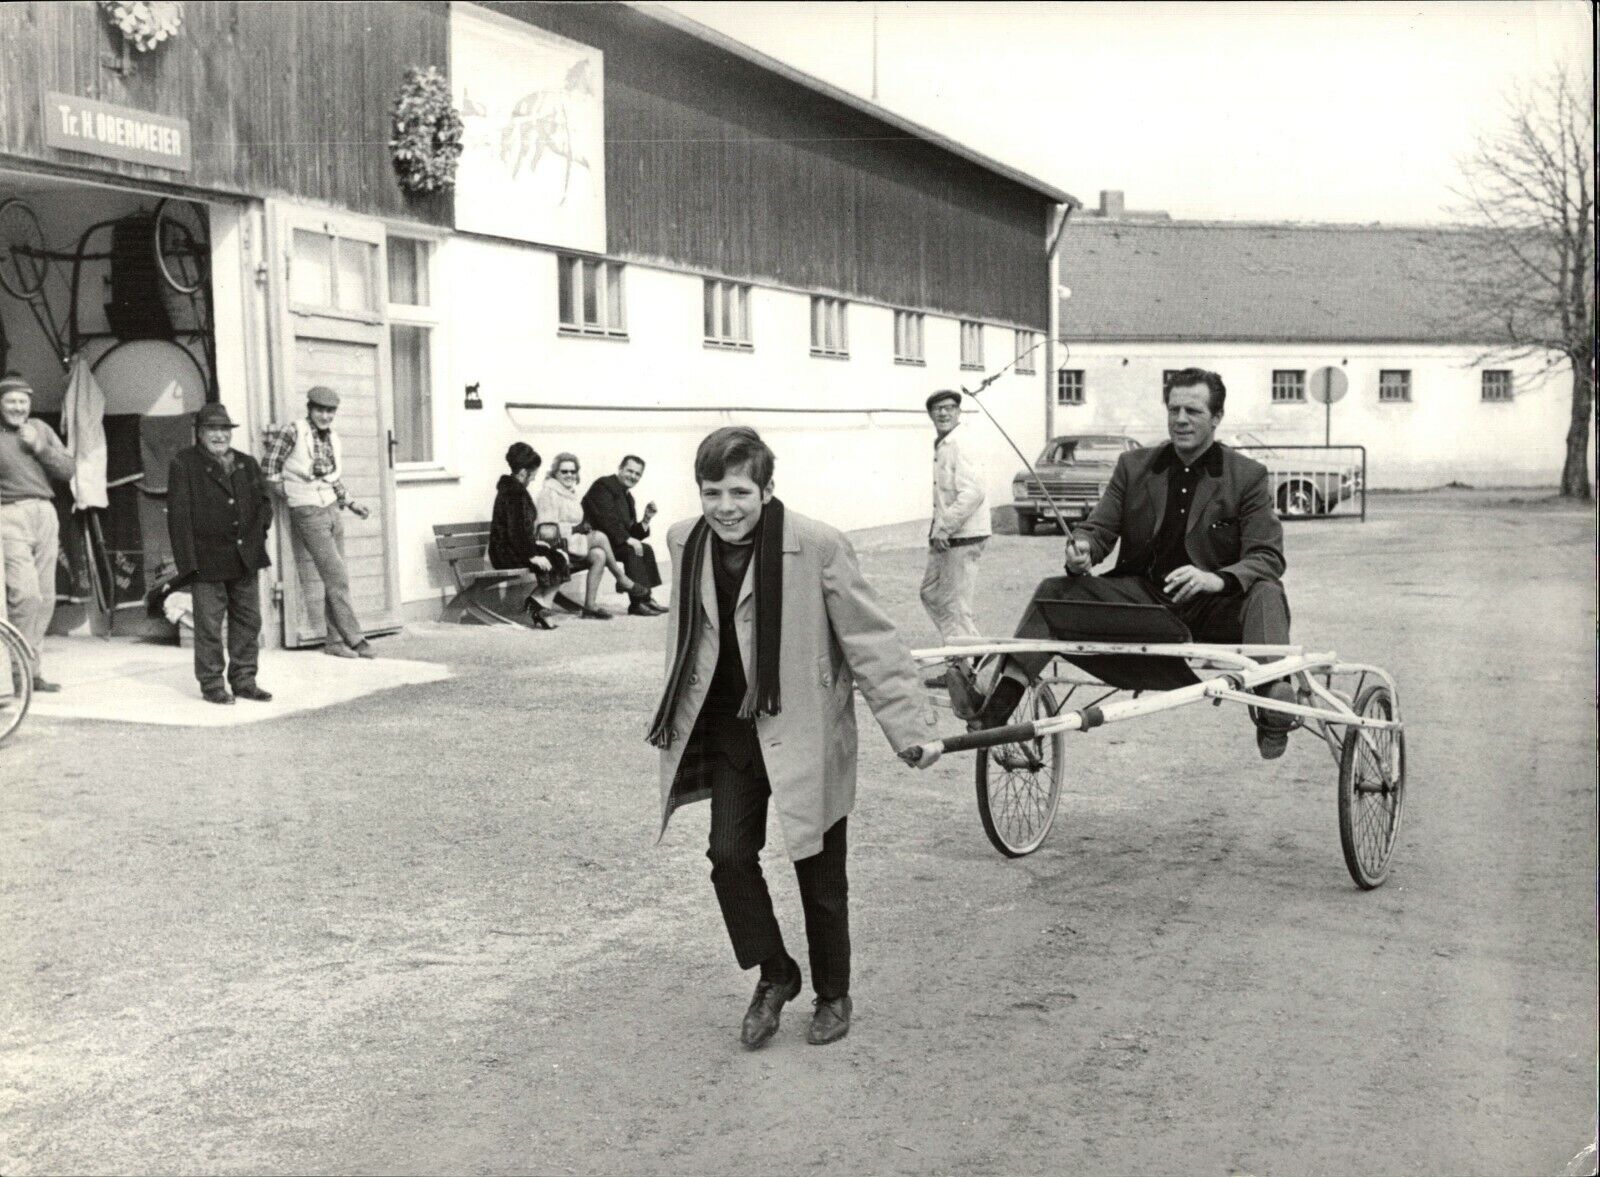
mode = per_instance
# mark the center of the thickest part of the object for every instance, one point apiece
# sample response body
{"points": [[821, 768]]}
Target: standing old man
{"points": [[959, 528], [608, 507], [304, 468], [774, 625], [31, 459], [218, 514]]}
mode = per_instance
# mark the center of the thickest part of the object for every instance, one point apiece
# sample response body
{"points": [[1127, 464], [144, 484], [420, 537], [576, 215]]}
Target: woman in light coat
{"points": [[560, 503]]}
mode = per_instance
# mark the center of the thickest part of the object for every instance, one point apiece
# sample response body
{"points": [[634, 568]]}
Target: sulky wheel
{"points": [[22, 251], [1372, 789], [1019, 785], [181, 251], [16, 680]]}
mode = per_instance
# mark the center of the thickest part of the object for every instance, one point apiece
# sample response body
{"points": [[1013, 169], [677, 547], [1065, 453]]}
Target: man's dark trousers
{"points": [[239, 601], [1259, 617], [739, 793]]}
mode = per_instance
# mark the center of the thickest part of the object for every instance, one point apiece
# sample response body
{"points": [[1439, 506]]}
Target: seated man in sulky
{"points": [[1200, 538]]}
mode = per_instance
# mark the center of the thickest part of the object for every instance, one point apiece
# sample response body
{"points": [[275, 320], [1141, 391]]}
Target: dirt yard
{"points": [[428, 930]]}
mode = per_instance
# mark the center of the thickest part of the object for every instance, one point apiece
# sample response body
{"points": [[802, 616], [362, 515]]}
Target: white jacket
{"points": [[959, 508]]}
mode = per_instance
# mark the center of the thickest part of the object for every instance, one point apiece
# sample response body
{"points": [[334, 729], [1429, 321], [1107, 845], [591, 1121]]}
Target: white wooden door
{"points": [[328, 284]]}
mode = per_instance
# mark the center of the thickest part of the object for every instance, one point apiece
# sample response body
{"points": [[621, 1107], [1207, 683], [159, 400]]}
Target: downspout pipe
{"points": [[1059, 215]]}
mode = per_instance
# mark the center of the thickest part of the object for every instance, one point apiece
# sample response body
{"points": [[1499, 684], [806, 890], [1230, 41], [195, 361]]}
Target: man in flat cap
{"points": [[959, 528], [305, 469], [31, 459], [218, 513]]}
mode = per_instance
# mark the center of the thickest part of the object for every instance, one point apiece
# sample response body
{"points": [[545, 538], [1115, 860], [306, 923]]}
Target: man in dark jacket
{"points": [[1200, 538], [608, 507], [218, 514]]}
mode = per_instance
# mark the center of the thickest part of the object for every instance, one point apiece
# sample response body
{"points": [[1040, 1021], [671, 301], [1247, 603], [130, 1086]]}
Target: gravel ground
{"points": [[428, 930]]}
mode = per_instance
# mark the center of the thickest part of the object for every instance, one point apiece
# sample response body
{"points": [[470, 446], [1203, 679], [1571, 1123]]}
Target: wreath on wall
{"points": [[144, 24], [427, 132]]}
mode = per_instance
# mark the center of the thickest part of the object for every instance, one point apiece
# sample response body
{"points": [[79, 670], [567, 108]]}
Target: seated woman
{"points": [[513, 534], [559, 502]]}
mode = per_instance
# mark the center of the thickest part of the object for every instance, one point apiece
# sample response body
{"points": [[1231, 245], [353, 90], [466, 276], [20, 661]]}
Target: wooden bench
{"points": [[481, 597]]}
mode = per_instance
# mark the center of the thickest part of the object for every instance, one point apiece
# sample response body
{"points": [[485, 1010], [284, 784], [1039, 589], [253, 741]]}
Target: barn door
{"points": [[328, 285]]}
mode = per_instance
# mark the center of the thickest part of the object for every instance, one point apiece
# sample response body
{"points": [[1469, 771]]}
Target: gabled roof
{"points": [[1241, 281], [755, 57]]}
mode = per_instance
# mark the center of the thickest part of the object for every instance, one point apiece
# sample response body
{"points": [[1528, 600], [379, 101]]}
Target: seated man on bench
{"points": [[1200, 538]]}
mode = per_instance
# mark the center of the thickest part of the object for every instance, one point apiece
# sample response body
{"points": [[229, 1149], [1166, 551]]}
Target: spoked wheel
{"points": [[180, 245], [16, 680], [1372, 790], [1019, 785], [22, 252]]}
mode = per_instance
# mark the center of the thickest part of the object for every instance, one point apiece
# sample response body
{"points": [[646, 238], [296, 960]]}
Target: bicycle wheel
{"points": [[22, 253], [16, 680], [1372, 790], [1019, 785], [180, 244]]}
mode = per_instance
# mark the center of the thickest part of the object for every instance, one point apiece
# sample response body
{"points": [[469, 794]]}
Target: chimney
{"points": [[1111, 203]]}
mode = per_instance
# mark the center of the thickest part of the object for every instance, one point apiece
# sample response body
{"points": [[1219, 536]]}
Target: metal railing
{"points": [[1315, 481]]}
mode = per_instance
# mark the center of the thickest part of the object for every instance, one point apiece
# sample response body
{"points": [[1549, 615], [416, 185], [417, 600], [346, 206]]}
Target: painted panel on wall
{"points": [[533, 153]]}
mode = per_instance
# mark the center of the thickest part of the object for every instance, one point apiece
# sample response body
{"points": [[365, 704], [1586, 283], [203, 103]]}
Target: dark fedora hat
{"points": [[213, 415]]}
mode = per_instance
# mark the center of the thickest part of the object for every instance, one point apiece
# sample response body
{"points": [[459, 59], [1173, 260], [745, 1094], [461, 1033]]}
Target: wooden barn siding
{"points": [[715, 164], [287, 99]]}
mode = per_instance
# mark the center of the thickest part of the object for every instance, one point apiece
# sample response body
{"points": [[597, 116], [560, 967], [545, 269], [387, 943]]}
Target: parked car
{"points": [[1312, 480], [1074, 469]]}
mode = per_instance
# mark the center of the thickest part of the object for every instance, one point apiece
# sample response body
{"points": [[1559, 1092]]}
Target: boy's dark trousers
{"points": [[739, 792]]}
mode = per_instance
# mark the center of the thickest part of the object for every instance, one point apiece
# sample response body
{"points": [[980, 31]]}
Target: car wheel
{"points": [[1299, 500]]}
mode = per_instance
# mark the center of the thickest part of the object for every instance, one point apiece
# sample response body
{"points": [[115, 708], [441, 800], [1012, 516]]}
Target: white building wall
{"points": [[853, 469], [1447, 433]]}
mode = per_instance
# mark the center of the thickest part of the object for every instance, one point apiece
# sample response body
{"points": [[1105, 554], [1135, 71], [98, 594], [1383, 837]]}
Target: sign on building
{"points": [[533, 153], [115, 132]]}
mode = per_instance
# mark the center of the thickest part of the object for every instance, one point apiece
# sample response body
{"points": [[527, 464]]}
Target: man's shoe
{"points": [[365, 650], [45, 685], [966, 699], [655, 605], [831, 1021], [761, 1019], [252, 692], [566, 604], [216, 695], [640, 609], [334, 650], [1273, 727]]}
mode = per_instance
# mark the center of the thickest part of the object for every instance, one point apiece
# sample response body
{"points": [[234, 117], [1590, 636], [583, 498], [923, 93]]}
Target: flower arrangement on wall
{"points": [[427, 132], [144, 24]]}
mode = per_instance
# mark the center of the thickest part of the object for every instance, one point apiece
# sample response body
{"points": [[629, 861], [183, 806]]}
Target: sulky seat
{"points": [[1123, 624]]}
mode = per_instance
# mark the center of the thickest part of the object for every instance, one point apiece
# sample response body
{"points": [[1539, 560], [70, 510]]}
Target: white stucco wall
{"points": [[1446, 433], [852, 469]]}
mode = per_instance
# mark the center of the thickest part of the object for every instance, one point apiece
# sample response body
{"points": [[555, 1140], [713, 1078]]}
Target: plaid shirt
{"points": [[280, 444]]}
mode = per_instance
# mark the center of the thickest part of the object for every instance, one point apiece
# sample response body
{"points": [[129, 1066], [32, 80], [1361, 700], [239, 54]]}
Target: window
{"points": [[1394, 386], [334, 273], [830, 332], [1288, 386], [727, 315], [413, 326], [1027, 344], [590, 297], [972, 346], [1069, 386], [908, 337], [1497, 384]]}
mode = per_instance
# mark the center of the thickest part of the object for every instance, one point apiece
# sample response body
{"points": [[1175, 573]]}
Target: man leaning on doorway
{"points": [[304, 468]]}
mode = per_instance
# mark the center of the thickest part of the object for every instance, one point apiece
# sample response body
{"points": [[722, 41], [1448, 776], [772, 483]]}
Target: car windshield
{"points": [[1085, 449]]}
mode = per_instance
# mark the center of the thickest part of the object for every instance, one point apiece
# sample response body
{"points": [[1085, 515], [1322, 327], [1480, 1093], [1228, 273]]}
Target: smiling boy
{"points": [[774, 624]]}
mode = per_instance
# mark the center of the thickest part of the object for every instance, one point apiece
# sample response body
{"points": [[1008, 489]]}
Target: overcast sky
{"points": [[1269, 111]]}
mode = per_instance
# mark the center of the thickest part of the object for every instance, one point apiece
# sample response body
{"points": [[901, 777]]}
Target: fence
{"points": [[1315, 481]]}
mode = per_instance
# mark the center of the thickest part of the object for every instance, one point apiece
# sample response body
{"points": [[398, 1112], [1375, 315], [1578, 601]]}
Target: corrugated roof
{"points": [[739, 49], [1238, 281]]}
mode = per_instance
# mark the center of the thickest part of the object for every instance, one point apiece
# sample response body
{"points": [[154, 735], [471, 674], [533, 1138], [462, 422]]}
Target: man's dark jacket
{"points": [[217, 523], [1233, 527], [608, 507]]}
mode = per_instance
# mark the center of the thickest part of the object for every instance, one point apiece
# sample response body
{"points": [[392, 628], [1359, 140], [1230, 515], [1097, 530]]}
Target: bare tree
{"points": [[1527, 279]]}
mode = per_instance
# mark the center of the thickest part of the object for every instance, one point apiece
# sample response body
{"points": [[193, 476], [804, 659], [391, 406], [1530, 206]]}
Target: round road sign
{"points": [[1328, 385]]}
